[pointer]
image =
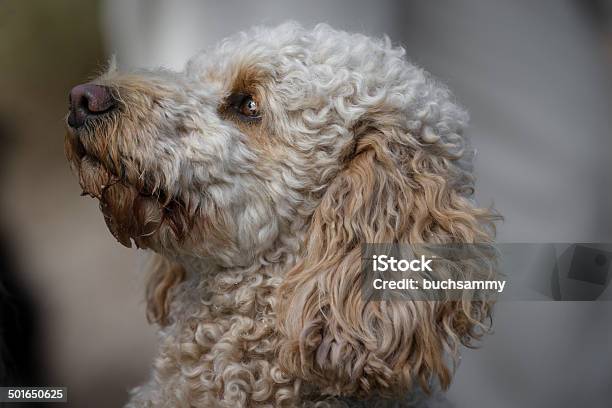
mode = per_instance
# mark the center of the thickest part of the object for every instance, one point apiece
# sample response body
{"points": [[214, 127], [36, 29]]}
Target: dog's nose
{"points": [[88, 101]]}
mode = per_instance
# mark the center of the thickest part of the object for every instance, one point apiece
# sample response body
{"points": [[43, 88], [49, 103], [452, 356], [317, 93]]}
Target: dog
{"points": [[254, 176]]}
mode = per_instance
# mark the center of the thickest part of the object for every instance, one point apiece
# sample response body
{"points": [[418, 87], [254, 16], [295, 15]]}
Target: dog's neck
{"points": [[202, 272], [222, 290], [199, 268], [206, 277]]}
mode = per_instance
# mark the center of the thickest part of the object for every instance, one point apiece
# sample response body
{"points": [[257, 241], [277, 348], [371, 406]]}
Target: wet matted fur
{"points": [[257, 222]]}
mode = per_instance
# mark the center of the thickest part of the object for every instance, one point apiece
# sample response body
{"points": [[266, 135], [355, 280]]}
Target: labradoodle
{"points": [[254, 176]]}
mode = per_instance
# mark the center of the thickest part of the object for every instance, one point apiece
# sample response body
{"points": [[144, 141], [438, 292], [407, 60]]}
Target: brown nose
{"points": [[88, 101]]}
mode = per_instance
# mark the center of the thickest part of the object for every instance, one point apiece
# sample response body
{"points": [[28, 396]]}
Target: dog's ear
{"points": [[394, 189], [163, 277]]}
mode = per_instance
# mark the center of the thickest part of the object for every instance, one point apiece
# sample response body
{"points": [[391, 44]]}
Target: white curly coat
{"points": [[254, 219]]}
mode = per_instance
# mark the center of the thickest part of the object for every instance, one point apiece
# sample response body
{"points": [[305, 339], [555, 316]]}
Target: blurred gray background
{"points": [[535, 77]]}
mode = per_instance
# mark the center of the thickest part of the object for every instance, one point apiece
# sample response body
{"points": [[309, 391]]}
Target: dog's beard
{"points": [[133, 210]]}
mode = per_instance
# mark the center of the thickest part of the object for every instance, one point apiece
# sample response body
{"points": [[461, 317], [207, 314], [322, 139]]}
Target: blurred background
{"points": [[535, 76]]}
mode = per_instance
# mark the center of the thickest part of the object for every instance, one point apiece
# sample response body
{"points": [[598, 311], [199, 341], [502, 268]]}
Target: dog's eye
{"points": [[249, 107], [245, 106]]}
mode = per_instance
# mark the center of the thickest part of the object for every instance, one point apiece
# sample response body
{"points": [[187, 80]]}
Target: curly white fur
{"points": [[257, 223]]}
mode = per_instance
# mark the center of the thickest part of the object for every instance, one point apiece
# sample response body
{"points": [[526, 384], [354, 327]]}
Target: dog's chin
{"points": [[134, 213]]}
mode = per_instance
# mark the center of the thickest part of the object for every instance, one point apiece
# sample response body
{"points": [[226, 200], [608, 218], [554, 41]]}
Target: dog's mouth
{"points": [[135, 208]]}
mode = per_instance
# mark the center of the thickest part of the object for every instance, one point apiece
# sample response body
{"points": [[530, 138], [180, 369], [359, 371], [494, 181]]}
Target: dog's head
{"points": [[296, 143]]}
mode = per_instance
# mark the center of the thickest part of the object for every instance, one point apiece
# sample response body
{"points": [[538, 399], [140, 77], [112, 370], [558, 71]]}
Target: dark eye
{"points": [[245, 106], [249, 107]]}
